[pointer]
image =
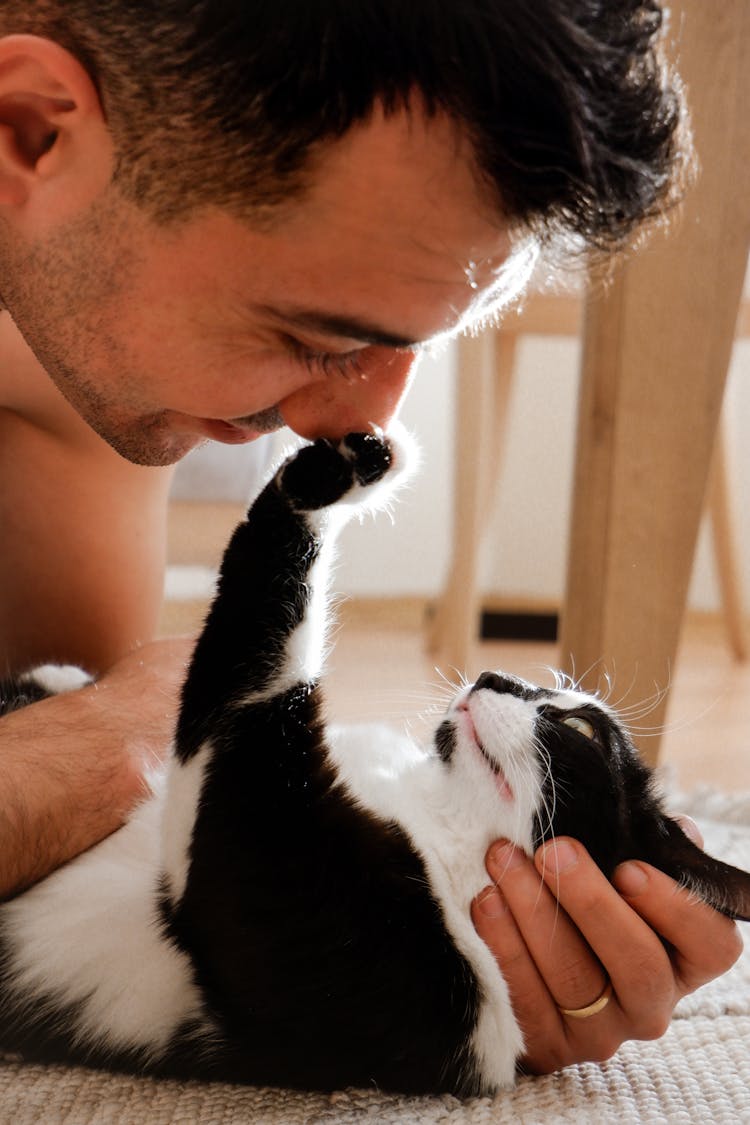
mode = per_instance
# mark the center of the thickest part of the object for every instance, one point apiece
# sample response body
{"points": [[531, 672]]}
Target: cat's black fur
{"points": [[317, 935]]}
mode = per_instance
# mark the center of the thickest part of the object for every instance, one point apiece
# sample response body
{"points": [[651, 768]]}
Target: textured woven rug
{"points": [[699, 1072]]}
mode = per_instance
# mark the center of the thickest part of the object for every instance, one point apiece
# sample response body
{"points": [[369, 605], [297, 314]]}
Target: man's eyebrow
{"points": [[332, 324]]}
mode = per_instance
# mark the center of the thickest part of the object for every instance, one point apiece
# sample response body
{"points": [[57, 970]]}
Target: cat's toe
{"points": [[370, 454], [316, 476], [350, 470]]}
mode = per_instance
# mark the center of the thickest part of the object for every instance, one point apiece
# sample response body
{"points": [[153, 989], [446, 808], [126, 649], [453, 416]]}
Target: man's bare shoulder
{"points": [[83, 530]]}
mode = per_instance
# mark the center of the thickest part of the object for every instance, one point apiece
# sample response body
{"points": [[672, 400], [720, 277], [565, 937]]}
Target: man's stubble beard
{"points": [[55, 291]]}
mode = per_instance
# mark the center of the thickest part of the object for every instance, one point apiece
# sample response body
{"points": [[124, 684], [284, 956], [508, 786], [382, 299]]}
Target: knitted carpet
{"points": [[699, 1071]]}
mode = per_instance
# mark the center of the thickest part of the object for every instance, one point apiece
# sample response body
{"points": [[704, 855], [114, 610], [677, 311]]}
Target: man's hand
{"points": [[139, 697], [560, 938], [73, 765]]}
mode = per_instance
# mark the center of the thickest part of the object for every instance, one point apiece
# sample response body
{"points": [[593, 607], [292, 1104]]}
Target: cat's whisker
{"points": [[423, 698], [679, 725], [548, 806], [659, 689], [618, 704], [561, 680], [578, 679], [631, 715], [644, 705], [605, 695], [440, 691], [462, 682]]}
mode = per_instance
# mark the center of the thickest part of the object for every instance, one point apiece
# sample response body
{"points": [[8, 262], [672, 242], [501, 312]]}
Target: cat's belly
{"points": [[87, 942]]}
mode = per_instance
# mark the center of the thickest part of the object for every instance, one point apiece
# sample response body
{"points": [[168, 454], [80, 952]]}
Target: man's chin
{"points": [[165, 438], [155, 457], [150, 446]]}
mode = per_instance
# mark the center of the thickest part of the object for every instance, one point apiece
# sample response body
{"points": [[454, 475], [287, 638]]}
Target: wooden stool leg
{"points": [[725, 547], [656, 350], [485, 366]]}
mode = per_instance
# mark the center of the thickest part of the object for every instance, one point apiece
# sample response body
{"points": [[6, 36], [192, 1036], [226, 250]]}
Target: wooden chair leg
{"points": [[657, 345], [725, 547], [483, 390]]}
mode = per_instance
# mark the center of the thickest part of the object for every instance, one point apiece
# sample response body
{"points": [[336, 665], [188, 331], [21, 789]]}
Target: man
{"points": [[217, 218]]}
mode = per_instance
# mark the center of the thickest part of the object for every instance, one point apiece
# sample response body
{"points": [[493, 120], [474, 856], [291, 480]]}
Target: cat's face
{"points": [[560, 762]]}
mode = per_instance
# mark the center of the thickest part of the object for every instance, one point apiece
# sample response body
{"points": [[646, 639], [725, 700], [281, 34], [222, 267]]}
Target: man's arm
{"points": [[560, 931], [71, 767]]}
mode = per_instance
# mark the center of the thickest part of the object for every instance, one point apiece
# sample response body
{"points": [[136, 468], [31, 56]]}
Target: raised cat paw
{"points": [[324, 472]]}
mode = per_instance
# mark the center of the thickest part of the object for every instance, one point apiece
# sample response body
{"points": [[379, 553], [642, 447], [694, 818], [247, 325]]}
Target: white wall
{"points": [[411, 556]]}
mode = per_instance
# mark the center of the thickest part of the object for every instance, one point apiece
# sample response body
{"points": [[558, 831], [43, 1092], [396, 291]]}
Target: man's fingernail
{"points": [[504, 857], [630, 879], [690, 828], [559, 856], [491, 903]]}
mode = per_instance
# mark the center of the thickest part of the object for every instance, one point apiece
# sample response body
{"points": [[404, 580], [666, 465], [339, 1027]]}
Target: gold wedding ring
{"points": [[592, 1008]]}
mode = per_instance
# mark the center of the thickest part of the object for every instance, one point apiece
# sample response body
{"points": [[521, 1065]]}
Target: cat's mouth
{"points": [[501, 782]]}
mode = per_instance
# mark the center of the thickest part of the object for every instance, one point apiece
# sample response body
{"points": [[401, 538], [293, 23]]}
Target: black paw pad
{"points": [[317, 476], [371, 456]]}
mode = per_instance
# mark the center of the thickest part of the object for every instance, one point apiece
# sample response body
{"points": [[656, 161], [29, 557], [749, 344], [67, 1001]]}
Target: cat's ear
{"points": [[722, 886]]}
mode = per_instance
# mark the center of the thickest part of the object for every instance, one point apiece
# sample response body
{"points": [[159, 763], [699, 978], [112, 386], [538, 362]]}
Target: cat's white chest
{"points": [[451, 817]]}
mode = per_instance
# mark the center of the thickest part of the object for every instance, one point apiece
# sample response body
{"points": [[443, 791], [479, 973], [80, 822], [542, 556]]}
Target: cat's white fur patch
{"points": [[58, 678], [452, 812], [184, 784], [89, 935]]}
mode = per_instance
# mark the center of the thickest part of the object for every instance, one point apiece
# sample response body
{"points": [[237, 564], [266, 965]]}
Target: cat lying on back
{"points": [[291, 906]]}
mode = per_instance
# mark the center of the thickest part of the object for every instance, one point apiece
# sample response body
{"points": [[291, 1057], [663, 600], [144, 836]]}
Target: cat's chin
{"points": [[502, 785]]}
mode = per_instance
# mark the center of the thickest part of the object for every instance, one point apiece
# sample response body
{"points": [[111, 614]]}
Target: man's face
{"points": [[163, 337]]}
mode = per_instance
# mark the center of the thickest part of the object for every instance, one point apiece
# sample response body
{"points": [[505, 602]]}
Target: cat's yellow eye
{"points": [[583, 726]]}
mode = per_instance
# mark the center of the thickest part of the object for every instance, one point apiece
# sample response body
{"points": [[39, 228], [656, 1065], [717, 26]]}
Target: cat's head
{"points": [[561, 763]]}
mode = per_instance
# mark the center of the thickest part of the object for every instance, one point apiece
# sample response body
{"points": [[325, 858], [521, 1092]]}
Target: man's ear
{"points": [[55, 148]]}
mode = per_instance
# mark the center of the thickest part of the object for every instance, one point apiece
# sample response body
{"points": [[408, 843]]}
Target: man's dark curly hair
{"points": [[572, 114]]}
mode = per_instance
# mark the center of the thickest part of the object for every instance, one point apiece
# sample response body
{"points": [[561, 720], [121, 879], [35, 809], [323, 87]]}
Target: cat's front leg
{"points": [[266, 628], [249, 728]]}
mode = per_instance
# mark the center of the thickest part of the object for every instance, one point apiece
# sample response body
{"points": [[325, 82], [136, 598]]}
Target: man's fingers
{"points": [[561, 955], [547, 965], [559, 940], [631, 953], [538, 1018], [704, 942], [690, 828]]}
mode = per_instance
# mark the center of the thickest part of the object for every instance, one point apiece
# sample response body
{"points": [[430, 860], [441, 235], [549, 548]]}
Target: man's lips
{"points": [[239, 430], [227, 432]]}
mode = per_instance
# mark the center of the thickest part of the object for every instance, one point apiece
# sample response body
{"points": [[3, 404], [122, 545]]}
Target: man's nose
{"points": [[340, 406]]}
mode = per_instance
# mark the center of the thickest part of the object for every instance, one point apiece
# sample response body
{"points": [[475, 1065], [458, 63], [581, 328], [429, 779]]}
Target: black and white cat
{"points": [[291, 907]]}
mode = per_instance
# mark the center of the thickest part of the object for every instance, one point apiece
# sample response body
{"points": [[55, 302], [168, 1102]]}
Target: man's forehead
{"points": [[394, 242], [484, 293], [408, 171]]}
